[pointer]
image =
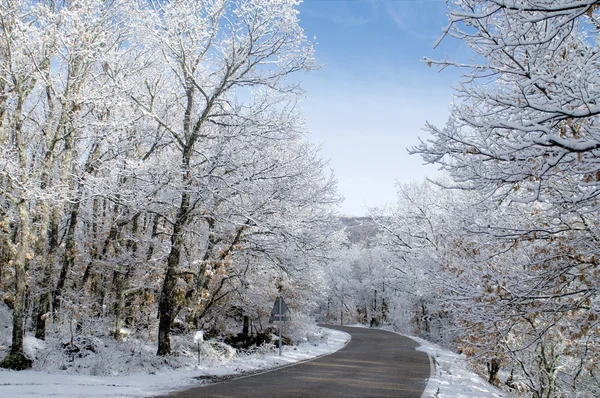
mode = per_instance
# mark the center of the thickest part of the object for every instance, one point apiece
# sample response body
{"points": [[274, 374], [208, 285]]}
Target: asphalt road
{"points": [[375, 363]]}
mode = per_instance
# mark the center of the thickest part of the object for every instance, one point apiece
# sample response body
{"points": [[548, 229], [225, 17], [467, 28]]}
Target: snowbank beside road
{"points": [[452, 378], [40, 384], [451, 375]]}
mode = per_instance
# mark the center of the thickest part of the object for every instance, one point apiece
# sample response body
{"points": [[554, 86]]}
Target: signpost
{"points": [[198, 337], [280, 312]]}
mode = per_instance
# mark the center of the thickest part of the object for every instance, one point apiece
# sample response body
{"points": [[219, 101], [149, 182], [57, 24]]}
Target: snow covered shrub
{"points": [[318, 336], [246, 342], [302, 329], [216, 351], [260, 350]]}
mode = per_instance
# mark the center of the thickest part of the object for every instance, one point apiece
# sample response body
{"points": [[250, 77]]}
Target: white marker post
{"points": [[198, 337]]}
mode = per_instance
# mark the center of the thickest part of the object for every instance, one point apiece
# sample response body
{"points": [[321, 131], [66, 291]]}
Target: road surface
{"points": [[375, 363]]}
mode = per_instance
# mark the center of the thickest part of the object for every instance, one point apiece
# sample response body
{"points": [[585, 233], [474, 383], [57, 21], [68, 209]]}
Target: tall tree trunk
{"points": [[68, 258], [44, 300], [119, 282], [94, 249], [70, 253], [122, 277], [153, 236], [167, 304], [167, 310], [425, 318], [17, 359], [203, 278]]}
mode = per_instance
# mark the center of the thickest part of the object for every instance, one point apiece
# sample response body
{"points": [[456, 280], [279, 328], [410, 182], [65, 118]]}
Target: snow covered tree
{"points": [[523, 133], [421, 228], [18, 82], [220, 55]]}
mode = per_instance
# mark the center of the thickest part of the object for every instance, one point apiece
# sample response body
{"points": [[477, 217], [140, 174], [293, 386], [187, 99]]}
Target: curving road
{"points": [[375, 363]]}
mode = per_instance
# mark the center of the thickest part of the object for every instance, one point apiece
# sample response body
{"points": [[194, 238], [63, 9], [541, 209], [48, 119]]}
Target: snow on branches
{"points": [[153, 156], [524, 137], [524, 124]]}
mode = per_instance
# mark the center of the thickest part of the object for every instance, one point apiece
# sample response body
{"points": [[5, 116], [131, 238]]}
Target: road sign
{"points": [[280, 313]]}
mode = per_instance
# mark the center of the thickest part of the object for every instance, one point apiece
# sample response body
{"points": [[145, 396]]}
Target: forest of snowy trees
{"points": [[499, 259], [152, 160], [155, 179], [523, 138]]}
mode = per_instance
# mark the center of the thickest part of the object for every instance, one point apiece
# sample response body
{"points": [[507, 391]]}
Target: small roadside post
{"points": [[280, 312], [198, 337]]}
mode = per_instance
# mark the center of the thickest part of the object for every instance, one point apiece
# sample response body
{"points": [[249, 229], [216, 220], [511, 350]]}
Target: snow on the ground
{"points": [[40, 384], [152, 375], [452, 378]]}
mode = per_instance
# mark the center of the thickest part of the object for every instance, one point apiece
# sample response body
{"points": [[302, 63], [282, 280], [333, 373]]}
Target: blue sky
{"points": [[373, 95]]}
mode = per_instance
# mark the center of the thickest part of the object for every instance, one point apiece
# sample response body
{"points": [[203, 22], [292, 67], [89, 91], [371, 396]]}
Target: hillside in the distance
{"points": [[360, 229]]}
